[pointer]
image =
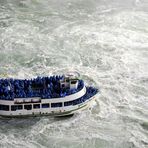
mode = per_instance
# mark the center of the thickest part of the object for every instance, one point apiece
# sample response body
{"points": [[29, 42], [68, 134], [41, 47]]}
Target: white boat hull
{"points": [[57, 112]]}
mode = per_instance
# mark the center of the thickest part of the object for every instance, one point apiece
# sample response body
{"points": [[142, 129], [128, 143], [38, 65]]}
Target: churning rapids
{"points": [[104, 40]]}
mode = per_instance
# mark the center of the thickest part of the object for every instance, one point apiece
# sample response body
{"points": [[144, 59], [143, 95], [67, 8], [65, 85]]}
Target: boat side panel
{"points": [[60, 111]]}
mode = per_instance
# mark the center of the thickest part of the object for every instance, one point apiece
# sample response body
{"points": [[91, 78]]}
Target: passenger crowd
{"points": [[44, 87]]}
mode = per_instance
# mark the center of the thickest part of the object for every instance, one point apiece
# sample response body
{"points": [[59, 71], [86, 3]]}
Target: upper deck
{"points": [[43, 87]]}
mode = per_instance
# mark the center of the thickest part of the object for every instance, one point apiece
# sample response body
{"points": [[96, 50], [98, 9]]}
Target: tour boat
{"points": [[57, 95]]}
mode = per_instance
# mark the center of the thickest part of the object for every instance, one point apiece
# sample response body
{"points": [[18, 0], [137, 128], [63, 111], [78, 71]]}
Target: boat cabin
{"points": [[69, 83]]}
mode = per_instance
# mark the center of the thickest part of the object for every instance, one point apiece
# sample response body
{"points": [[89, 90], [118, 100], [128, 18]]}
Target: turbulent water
{"points": [[104, 40]]}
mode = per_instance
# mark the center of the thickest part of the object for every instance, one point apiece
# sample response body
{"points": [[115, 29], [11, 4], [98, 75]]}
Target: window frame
{"points": [[28, 108]]}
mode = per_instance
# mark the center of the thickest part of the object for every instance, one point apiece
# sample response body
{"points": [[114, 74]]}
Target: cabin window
{"points": [[28, 107], [63, 85], [36, 106], [68, 103], [59, 104], [73, 82], [45, 105], [67, 80], [4, 107], [16, 107]]}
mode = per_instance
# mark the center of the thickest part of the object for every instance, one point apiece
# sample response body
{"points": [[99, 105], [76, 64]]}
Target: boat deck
{"points": [[43, 87]]}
